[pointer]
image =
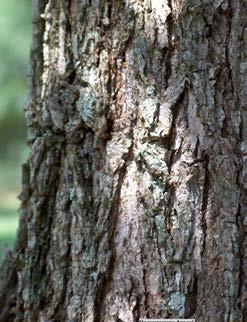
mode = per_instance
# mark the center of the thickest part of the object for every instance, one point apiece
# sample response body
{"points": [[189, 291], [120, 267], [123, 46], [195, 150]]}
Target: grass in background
{"points": [[8, 219], [10, 188]]}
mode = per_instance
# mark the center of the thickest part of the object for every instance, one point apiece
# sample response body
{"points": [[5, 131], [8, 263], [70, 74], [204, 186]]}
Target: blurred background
{"points": [[15, 37]]}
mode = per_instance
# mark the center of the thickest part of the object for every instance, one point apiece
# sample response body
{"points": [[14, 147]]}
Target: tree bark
{"points": [[133, 194]]}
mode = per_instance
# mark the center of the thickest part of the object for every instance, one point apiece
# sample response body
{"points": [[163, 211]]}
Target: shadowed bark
{"points": [[133, 193]]}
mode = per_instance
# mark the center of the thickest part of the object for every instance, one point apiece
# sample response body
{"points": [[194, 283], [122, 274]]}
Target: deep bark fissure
{"points": [[144, 283], [191, 303], [205, 199], [59, 310], [241, 253], [169, 51], [168, 141], [113, 217]]}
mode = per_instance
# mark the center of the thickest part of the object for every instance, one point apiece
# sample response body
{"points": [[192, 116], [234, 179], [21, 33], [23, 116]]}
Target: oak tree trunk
{"points": [[133, 194]]}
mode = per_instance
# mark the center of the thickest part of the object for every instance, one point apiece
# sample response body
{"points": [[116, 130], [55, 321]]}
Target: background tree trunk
{"points": [[133, 194]]}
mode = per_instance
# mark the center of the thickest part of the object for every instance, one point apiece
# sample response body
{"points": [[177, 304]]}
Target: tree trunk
{"points": [[133, 194]]}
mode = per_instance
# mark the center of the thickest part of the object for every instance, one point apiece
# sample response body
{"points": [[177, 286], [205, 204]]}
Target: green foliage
{"points": [[14, 52], [15, 37]]}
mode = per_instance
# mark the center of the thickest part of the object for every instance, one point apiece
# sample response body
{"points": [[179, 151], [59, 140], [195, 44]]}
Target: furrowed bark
{"points": [[133, 201]]}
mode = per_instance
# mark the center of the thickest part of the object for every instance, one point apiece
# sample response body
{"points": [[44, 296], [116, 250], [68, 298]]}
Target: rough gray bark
{"points": [[133, 194]]}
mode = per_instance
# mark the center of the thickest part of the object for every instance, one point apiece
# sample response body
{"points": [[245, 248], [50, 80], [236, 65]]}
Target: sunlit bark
{"points": [[133, 194]]}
